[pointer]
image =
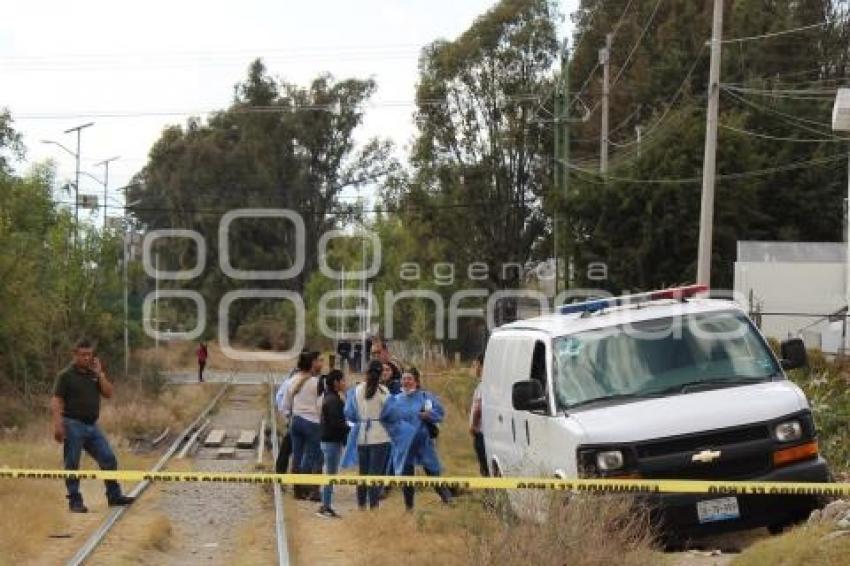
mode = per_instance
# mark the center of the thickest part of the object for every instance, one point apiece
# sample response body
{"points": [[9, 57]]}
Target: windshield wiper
{"points": [[616, 397], [711, 383]]}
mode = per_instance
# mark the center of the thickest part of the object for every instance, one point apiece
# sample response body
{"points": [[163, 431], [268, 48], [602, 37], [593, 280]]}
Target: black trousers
{"points": [[283, 454], [201, 366], [478, 444]]}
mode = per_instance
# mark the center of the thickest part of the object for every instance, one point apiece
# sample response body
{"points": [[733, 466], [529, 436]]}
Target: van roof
{"points": [[560, 324]]}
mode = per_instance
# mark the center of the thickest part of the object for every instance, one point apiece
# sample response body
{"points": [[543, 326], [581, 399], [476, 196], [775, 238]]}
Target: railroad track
{"points": [[279, 524], [185, 440]]}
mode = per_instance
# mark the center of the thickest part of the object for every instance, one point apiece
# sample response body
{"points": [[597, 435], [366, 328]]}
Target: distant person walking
{"points": [[202, 355], [76, 407], [334, 434], [302, 400], [368, 441], [422, 412], [475, 418]]}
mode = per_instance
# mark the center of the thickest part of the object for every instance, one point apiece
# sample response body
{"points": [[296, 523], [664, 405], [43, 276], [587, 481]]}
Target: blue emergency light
{"points": [[595, 305]]}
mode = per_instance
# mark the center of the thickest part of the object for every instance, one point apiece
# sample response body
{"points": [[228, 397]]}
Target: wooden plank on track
{"points": [[215, 438], [246, 439]]}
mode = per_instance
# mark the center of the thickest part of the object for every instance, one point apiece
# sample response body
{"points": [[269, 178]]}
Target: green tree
{"points": [[278, 145]]}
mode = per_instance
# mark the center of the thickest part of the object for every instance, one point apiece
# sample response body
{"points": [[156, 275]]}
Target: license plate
{"points": [[723, 509]]}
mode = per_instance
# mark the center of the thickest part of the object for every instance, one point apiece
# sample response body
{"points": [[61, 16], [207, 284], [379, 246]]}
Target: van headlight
{"points": [[609, 460], [788, 431]]}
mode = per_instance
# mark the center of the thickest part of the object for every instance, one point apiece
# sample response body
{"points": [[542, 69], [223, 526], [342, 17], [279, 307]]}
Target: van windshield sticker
{"points": [[570, 348]]}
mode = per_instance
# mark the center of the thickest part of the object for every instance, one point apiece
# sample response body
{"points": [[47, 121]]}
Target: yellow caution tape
{"points": [[577, 485]]}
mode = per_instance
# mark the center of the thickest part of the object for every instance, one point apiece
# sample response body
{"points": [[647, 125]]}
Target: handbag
{"points": [[433, 429]]}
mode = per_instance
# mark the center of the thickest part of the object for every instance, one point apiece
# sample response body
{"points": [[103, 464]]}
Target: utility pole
{"points": [[638, 133], [605, 61], [105, 164], [156, 305], [128, 238], [709, 161], [562, 155], [77, 177]]}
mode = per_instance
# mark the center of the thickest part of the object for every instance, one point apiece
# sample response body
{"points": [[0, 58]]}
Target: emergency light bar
{"points": [[676, 293]]}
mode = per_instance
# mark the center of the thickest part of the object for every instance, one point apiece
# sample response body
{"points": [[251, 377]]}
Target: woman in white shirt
{"points": [[365, 408], [302, 400]]}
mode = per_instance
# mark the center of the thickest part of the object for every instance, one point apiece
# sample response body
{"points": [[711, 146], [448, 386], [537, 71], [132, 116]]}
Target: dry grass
{"points": [[135, 415], [180, 356], [578, 531], [803, 545], [35, 510]]}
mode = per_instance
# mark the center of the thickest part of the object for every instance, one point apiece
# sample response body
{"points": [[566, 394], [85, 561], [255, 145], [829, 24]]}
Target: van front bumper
{"points": [[678, 512]]}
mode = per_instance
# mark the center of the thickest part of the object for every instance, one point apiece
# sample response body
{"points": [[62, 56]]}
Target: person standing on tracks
{"points": [[202, 354], [334, 434], [475, 418], [368, 441], [75, 406], [418, 414], [302, 400]]}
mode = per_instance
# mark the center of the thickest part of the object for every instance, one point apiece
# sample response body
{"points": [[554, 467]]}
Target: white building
{"points": [[795, 289]]}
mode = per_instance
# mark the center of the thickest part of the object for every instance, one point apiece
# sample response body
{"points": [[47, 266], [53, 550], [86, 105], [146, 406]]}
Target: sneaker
{"points": [[327, 513], [121, 501], [77, 507]]}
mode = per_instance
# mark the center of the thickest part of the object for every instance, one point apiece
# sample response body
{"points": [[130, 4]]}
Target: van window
{"points": [[659, 357], [538, 364]]}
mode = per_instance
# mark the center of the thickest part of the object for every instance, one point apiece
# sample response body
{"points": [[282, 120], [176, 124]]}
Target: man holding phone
{"points": [[76, 407]]}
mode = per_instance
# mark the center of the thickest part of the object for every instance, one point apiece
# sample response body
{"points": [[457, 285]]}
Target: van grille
{"points": [[701, 441]]}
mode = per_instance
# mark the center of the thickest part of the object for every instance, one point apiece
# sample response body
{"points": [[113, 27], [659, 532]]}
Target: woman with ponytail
{"points": [[368, 440]]}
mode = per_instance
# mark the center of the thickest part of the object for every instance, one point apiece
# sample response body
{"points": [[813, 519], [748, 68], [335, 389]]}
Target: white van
{"points": [[661, 385]]}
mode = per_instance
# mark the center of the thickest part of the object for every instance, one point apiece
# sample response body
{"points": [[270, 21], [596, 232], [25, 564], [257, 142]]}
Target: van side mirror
{"points": [[529, 396], [793, 353]]}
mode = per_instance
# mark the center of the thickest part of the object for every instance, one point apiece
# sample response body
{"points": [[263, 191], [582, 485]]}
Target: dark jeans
{"points": [[201, 366], [408, 492], [478, 444], [306, 450], [281, 465], [80, 436], [373, 462]]}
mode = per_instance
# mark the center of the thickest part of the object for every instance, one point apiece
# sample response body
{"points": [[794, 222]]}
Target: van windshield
{"points": [[659, 357]]}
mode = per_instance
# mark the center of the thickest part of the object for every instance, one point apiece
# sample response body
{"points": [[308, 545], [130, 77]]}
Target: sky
{"points": [[135, 68]]}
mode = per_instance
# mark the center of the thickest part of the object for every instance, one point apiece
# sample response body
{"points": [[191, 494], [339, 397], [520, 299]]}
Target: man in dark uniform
{"points": [[76, 408]]}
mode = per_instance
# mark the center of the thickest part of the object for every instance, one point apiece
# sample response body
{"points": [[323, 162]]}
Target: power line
{"points": [[389, 209], [782, 139], [672, 101], [728, 176], [277, 109], [789, 118], [637, 44], [774, 34]]}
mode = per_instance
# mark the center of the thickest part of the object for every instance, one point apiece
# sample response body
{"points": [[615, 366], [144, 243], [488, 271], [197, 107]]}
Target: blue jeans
{"points": [[332, 452], [372, 459], [80, 436], [306, 449]]}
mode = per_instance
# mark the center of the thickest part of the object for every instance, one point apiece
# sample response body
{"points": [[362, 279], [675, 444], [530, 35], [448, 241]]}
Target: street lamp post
{"points": [[105, 164], [76, 155]]}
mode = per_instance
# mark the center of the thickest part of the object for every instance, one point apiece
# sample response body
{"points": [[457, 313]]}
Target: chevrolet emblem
{"points": [[706, 456]]}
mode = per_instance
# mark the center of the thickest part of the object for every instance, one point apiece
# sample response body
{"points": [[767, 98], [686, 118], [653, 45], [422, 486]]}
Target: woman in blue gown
{"points": [[419, 413]]}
